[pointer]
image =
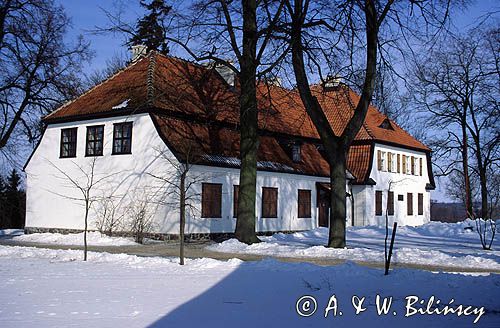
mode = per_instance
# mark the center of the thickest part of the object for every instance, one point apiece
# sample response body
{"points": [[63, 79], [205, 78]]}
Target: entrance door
{"points": [[323, 205]]}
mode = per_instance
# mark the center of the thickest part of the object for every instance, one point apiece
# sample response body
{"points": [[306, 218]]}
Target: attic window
{"points": [[270, 110], [292, 149], [296, 153], [386, 124]]}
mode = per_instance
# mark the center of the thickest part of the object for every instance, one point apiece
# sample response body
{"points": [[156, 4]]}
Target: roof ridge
{"points": [[150, 78], [193, 62], [93, 88]]}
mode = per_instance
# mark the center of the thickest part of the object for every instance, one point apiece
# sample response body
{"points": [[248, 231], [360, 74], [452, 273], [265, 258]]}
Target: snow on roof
{"points": [[123, 104]]}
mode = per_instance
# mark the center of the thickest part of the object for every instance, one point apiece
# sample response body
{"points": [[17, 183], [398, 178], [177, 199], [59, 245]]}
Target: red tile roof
{"points": [[130, 83], [169, 86]]}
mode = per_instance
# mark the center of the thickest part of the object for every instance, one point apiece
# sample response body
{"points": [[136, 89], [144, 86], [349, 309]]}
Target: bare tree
{"points": [[113, 65], [216, 30], [39, 70], [335, 146], [86, 182], [460, 86], [178, 182], [455, 186], [348, 30], [486, 229]]}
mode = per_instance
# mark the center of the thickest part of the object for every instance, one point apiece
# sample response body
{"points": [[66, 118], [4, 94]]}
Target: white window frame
{"points": [[383, 160]]}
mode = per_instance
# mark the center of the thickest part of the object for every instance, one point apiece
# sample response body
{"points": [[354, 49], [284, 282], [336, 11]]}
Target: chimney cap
{"points": [[138, 51], [332, 81]]}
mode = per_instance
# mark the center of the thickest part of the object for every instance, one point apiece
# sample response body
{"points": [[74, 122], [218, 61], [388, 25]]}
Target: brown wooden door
{"points": [[323, 206]]}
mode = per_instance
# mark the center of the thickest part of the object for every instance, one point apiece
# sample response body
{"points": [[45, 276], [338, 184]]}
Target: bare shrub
{"points": [[110, 215], [140, 215]]}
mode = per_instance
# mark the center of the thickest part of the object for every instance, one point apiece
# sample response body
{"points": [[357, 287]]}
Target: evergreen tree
{"points": [[13, 198], [150, 29]]}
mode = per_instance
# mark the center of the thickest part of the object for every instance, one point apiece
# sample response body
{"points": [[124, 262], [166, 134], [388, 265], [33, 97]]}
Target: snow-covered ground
{"points": [[11, 232], [435, 243], [54, 288], [94, 238]]}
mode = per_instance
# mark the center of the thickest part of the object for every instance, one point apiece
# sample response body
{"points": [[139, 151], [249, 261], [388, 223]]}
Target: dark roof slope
{"points": [[213, 145]]}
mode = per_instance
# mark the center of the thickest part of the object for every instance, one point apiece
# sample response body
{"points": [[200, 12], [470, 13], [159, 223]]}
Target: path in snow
{"points": [[432, 244], [53, 288]]}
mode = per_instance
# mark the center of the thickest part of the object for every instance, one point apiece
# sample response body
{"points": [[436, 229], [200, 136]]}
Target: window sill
{"points": [[67, 156], [130, 153]]}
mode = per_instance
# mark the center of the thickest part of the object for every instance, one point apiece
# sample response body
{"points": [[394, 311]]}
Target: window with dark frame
{"points": [[211, 200], [378, 202], [420, 204], [409, 203], [122, 138], [304, 203], [269, 202], [236, 194], [95, 138], [68, 142], [390, 203]]}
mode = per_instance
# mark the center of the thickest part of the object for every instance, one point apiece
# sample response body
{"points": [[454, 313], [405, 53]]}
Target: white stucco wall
{"points": [[126, 176], [129, 178], [287, 184], [401, 184]]}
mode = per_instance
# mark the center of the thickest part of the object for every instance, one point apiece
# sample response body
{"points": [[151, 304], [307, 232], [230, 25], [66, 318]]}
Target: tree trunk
{"points": [[245, 223], [182, 218], [465, 168], [337, 200], [482, 182], [3, 15], [85, 230], [336, 147]]}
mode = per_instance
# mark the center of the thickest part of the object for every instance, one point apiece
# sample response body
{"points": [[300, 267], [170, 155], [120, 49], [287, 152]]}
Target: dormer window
{"points": [[386, 124], [270, 110], [292, 149], [296, 153]]}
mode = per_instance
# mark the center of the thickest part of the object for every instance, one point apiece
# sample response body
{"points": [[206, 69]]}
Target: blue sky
{"points": [[86, 14]]}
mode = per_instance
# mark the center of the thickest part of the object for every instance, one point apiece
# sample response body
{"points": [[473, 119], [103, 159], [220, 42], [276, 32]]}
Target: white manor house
{"points": [[133, 132]]}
